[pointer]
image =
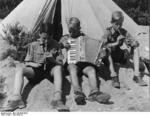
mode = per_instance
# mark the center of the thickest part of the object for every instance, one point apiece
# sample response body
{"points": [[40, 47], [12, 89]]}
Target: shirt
{"points": [[110, 36], [37, 52]]}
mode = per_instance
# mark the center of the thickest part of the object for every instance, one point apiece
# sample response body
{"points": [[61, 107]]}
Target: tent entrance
{"points": [[50, 14], [57, 30]]}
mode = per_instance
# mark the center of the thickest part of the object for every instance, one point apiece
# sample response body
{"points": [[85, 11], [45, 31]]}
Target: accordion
{"points": [[77, 50]]}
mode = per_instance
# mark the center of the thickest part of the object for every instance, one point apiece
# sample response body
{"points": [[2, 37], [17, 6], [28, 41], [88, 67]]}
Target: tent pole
{"points": [[149, 52], [149, 40]]}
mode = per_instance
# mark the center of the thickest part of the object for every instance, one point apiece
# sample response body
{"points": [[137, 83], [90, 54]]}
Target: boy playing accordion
{"points": [[77, 66]]}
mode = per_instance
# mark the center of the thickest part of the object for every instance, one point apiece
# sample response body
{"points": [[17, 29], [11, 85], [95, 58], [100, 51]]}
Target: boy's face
{"points": [[74, 31], [117, 25], [53, 51], [43, 37]]}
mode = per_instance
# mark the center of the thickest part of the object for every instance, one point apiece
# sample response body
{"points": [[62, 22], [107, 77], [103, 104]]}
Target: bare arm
{"points": [[32, 64], [110, 45], [29, 55], [105, 41]]}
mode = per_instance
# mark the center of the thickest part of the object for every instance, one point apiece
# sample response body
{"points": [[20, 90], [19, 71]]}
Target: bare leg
{"points": [[95, 94], [79, 95], [74, 77], [111, 67], [136, 62], [57, 74], [19, 79], [57, 98], [16, 100], [91, 73], [137, 77], [113, 74]]}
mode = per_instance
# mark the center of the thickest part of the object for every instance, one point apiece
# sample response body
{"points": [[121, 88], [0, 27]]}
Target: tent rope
{"points": [[41, 16]]}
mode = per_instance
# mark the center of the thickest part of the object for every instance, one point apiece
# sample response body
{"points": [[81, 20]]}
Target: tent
{"points": [[95, 16]]}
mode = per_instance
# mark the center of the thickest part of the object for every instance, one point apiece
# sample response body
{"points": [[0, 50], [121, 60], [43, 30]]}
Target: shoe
{"points": [[115, 82], [58, 105], [100, 97], [140, 81], [80, 98], [13, 105]]}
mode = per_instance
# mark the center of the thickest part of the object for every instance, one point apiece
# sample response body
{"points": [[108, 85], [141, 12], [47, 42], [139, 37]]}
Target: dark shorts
{"points": [[41, 72], [119, 55], [81, 66]]}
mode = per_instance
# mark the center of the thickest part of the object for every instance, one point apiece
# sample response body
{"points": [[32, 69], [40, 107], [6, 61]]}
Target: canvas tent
{"points": [[95, 16]]}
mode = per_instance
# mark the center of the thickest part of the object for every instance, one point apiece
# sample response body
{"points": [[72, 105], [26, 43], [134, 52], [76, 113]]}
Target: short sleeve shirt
{"points": [[37, 53]]}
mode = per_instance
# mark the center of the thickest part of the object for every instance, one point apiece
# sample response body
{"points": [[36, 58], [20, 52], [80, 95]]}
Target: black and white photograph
{"points": [[74, 56]]}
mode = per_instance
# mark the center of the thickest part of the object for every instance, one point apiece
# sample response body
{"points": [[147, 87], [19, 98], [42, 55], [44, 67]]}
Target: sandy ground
{"points": [[130, 97]]}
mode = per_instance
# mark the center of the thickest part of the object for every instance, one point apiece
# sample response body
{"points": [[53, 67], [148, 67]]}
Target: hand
{"points": [[121, 37], [59, 59], [49, 54], [66, 45]]}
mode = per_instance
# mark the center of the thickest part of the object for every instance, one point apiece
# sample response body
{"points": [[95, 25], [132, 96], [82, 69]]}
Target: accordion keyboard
{"points": [[73, 51], [77, 50]]}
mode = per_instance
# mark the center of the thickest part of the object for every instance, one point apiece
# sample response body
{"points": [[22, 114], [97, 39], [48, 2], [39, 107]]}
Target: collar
{"points": [[39, 42], [112, 30], [80, 34]]}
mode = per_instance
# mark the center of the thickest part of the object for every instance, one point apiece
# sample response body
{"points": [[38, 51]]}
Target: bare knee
{"points": [[89, 71], [72, 67], [56, 69], [24, 72], [20, 70]]}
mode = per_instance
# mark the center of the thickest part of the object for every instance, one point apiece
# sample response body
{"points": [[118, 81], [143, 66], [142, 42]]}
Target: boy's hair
{"points": [[46, 28], [117, 16], [52, 44]]}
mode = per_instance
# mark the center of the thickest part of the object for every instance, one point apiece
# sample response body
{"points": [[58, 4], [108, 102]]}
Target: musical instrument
{"points": [[77, 50], [101, 54], [102, 51]]}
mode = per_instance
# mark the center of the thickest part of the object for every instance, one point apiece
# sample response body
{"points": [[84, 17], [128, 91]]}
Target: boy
{"points": [[43, 57], [81, 67], [113, 38]]}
